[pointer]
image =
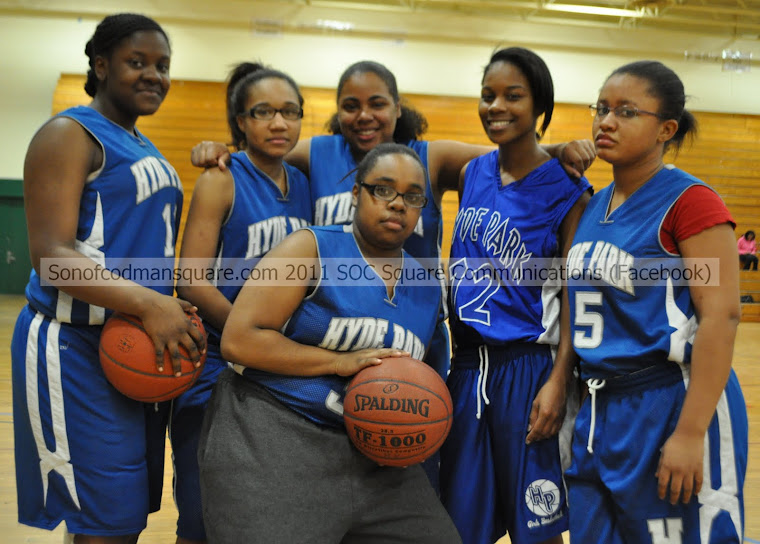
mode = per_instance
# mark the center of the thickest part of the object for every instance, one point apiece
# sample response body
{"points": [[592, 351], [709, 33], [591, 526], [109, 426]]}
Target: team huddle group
{"points": [[655, 452]]}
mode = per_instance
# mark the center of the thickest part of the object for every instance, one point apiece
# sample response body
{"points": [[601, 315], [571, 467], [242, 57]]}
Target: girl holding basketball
{"points": [[273, 440], [235, 217], [513, 359], [660, 445], [93, 167]]}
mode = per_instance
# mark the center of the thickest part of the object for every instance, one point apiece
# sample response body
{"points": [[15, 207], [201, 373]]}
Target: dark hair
{"points": [[667, 87], [242, 77], [539, 78], [752, 232], [108, 34], [370, 159], [410, 126]]}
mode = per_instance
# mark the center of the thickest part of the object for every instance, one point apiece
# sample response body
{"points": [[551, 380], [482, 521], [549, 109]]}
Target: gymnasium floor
{"points": [[161, 526]]}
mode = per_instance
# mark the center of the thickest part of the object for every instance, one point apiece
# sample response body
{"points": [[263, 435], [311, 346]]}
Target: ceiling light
{"points": [[593, 10], [334, 25]]}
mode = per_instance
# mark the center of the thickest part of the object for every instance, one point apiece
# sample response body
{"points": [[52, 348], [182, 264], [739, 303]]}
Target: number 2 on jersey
{"points": [[473, 310]]}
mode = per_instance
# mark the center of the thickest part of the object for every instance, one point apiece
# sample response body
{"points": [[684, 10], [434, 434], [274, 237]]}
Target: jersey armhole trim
{"points": [[309, 296], [232, 204], [95, 173]]}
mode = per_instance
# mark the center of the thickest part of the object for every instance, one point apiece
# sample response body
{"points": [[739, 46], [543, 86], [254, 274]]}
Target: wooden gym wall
{"points": [[726, 153]]}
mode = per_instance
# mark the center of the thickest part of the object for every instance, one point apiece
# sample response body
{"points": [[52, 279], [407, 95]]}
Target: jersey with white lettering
{"points": [[504, 265], [626, 313], [130, 209], [349, 310], [331, 160], [259, 219]]}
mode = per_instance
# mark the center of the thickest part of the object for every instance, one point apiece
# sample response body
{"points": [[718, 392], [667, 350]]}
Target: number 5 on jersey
{"points": [[585, 301]]}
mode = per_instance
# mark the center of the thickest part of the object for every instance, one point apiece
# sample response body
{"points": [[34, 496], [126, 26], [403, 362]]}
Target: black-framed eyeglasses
{"points": [[388, 193], [266, 113], [621, 112]]}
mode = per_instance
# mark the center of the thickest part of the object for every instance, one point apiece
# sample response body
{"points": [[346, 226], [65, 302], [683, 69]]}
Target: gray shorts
{"points": [[269, 475]]}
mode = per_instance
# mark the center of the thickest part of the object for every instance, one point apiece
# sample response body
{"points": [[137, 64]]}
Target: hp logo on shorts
{"points": [[542, 497]]}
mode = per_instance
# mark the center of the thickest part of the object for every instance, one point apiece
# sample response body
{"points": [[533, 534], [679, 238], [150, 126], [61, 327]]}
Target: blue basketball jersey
{"points": [[331, 160], [633, 328], [504, 241], [259, 219], [340, 316], [130, 209], [622, 325]]}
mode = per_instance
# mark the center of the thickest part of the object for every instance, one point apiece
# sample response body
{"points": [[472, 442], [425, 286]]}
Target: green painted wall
{"points": [[15, 264]]}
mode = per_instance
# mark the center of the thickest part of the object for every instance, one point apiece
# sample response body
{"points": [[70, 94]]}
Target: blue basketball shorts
{"points": [[613, 489], [187, 415], [81, 447], [491, 481]]}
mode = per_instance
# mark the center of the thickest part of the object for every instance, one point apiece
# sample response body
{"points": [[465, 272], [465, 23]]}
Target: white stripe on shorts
{"points": [[58, 460], [726, 497]]}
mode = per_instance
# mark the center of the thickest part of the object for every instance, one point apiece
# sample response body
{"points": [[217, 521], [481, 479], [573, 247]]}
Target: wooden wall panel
{"points": [[726, 153]]}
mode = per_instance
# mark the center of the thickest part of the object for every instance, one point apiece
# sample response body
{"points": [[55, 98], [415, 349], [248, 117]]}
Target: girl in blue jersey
{"points": [[276, 463], [660, 446], [82, 454], [500, 466], [235, 217]]}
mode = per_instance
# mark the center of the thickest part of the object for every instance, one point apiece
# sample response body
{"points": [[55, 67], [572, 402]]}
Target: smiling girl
{"points": [[85, 453], [500, 467]]}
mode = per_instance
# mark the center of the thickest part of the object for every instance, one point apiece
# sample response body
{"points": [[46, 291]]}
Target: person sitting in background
{"points": [[747, 249]]}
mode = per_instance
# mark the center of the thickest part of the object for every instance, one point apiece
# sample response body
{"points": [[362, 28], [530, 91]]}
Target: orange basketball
{"points": [[398, 413], [128, 358]]}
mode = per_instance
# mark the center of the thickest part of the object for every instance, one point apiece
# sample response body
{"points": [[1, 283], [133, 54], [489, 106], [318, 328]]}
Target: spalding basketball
{"points": [[398, 413], [128, 358]]}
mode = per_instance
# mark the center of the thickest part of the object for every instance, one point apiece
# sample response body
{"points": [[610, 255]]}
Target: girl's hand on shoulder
{"points": [[209, 154], [166, 322], [577, 156], [679, 472], [350, 362]]}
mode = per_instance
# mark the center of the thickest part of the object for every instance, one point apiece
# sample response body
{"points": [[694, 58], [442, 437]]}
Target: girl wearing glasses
{"points": [[273, 442], [500, 466], [235, 217], [660, 446]]}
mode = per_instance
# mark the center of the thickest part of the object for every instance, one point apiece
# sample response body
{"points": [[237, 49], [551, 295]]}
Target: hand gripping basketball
{"points": [[127, 356], [398, 413]]}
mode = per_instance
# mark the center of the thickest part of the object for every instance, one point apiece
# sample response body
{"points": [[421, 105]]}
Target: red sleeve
{"points": [[697, 209]]}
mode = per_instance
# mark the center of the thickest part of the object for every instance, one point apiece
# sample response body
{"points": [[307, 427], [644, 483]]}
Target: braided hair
{"points": [[109, 33]]}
